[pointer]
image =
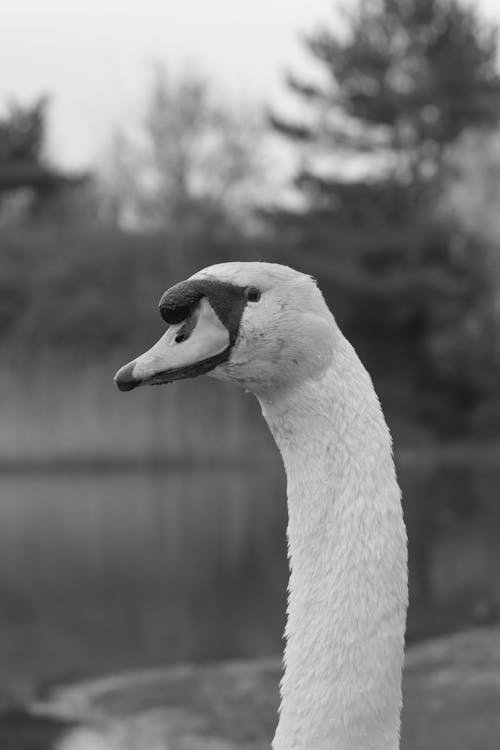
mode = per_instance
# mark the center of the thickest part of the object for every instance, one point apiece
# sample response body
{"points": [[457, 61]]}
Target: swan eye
{"points": [[252, 294]]}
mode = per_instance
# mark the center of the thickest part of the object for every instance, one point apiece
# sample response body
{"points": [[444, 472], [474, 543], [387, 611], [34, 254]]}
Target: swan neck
{"points": [[341, 688]]}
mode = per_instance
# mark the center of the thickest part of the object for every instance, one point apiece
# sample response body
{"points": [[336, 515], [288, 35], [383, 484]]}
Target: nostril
{"points": [[185, 330]]}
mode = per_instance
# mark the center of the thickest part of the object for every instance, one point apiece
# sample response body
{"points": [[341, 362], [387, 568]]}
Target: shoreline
{"points": [[465, 453], [451, 688]]}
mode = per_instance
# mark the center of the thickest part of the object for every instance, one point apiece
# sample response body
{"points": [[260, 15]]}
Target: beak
{"points": [[193, 347]]}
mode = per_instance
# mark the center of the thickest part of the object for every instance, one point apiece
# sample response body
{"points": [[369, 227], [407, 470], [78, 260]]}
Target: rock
{"points": [[451, 700], [452, 693]]}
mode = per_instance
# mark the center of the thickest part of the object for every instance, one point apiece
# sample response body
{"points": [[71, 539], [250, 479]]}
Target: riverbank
{"points": [[451, 696]]}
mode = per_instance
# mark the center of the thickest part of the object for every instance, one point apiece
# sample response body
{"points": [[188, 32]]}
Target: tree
{"points": [[470, 202], [399, 84], [403, 83], [29, 185], [193, 159]]}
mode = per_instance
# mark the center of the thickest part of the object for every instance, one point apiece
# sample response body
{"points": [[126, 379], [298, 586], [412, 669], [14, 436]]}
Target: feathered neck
{"points": [[341, 688]]}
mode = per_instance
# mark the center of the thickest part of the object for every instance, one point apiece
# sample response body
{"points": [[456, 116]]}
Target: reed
{"points": [[60, 412]]}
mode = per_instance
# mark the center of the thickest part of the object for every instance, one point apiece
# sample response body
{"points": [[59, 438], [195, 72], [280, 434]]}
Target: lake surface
{"points": [[108, 570]]}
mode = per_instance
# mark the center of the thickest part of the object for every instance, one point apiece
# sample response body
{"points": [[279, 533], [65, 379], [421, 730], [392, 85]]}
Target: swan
{"points": [[267, 328]]}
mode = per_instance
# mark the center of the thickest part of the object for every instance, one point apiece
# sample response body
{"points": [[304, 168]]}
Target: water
{"points": [[109, 570]]}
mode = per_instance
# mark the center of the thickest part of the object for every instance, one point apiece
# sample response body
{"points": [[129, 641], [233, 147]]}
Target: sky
{"points": [[94, 57]]}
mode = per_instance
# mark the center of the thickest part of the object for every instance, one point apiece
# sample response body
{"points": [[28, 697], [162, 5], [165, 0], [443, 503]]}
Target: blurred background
{"points": [[143, 140]]}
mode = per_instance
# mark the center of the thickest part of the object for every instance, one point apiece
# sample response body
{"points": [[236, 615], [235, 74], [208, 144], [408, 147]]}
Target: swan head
{"points": [[263, 326]]}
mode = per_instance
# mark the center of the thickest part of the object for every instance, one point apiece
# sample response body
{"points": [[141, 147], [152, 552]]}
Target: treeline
{"points": [[84, 291], [78, 294]]}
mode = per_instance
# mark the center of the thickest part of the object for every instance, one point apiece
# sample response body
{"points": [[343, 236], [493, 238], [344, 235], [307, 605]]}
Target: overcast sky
{"points": [[93, 57]]}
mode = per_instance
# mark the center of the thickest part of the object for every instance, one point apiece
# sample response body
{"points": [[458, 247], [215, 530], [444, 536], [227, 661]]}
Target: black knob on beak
{"points": [[179, 301]]}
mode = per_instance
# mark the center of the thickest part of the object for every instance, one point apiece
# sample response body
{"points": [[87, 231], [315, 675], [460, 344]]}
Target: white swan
{"points": [[268, 328]]}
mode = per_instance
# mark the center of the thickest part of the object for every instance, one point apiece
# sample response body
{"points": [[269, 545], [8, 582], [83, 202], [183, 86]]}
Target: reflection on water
{"points": [[112, 570], [453, 520]]}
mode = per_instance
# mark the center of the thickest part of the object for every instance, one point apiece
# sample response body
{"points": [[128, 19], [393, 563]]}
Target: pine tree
{"points": [[25, 173], [406, 80], [401, 81]]}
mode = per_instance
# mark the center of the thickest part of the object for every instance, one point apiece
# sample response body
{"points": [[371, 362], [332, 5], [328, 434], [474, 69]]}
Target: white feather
{"points": [[341, 688]]}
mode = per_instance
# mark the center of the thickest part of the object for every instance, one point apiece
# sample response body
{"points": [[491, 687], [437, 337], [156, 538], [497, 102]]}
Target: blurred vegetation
{"points": [[192, 161], [396, 89], [394, 210], [31, 188], [81, 291]]}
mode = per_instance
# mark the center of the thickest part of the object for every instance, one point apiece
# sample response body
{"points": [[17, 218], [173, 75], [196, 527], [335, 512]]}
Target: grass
{"points": [[64, 413]]}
